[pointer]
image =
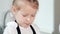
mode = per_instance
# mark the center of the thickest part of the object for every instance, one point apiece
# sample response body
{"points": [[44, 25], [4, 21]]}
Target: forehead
{"points": [[28, 10]]}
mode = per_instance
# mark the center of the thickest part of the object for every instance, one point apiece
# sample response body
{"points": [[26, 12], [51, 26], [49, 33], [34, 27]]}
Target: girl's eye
{"points": [[33, 15], [24, 15], [27, 15], [18, 8]]}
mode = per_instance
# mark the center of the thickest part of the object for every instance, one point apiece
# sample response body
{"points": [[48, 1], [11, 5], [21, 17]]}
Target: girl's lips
{"points": [[27, 23]]}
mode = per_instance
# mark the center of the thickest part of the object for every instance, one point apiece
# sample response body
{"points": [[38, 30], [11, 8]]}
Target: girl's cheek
{"points": [[22, 18]]}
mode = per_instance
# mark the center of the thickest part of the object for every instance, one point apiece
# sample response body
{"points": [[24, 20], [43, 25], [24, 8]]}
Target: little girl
{"points": [[24, 12]]}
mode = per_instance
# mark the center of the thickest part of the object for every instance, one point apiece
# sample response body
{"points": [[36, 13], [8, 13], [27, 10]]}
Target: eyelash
{"points": [[33, 15], [27, 15], [24, 15]]}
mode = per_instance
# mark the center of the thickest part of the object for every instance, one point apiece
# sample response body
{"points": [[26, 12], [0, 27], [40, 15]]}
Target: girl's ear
{"points": [[13, 9]]}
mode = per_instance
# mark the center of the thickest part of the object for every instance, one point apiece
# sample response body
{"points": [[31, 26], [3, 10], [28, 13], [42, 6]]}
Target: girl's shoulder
{"points": [[36, 28], [11, 24], [10, 28]]}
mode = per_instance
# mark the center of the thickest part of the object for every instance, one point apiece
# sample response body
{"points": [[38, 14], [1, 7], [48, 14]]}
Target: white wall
{"points": [[4, 6], [45, 16]]}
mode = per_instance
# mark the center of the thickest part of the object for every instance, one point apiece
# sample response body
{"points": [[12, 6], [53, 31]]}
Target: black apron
{"points": [[19, 32]]}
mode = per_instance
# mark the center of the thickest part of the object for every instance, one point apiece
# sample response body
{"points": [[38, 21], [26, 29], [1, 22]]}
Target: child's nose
{"points": [[28, 18]]}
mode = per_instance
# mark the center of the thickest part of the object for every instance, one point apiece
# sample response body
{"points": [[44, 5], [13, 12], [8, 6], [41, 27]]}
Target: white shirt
{"points": [[11, 29]]}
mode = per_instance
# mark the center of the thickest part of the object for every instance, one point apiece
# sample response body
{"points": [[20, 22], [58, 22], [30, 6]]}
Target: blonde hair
{"points": [[35, 2]]}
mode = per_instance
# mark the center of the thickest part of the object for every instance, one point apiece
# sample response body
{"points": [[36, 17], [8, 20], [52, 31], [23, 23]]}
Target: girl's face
{"points": [[24, 14]]}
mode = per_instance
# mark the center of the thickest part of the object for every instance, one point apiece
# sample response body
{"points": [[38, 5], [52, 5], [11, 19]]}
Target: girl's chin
{"points": [[27, 25]]}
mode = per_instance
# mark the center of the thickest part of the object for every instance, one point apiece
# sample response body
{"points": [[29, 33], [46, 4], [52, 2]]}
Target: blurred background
{"points": [[47, 18]]}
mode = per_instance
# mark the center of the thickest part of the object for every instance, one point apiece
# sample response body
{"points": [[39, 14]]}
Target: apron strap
{"points": [[19, 32], [33, 29]]}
